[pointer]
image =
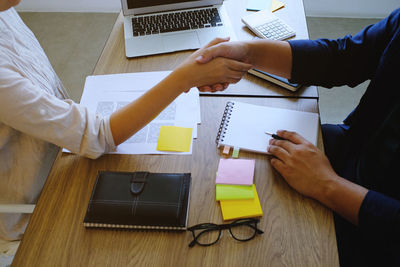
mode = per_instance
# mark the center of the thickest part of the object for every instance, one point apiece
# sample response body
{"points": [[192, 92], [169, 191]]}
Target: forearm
{"points": [[128, 120], [343, 197], [271, 56]]}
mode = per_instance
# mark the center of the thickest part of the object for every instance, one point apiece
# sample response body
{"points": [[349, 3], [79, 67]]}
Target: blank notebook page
{"points": [[246, 125]]}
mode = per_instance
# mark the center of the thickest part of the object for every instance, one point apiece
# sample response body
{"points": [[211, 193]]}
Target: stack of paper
{"points": [[235, 189], [103, 94]]}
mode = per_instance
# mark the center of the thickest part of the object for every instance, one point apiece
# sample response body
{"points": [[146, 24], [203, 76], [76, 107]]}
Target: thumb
{"points": [[210, 51], [217, 41]]}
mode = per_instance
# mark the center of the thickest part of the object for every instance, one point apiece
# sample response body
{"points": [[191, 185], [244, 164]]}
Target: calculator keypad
{"points": [[275, 30]]}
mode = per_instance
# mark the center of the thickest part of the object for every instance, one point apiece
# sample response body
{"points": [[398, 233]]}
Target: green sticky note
{"points": [[235, 153], [173, 138], [229, 192]]}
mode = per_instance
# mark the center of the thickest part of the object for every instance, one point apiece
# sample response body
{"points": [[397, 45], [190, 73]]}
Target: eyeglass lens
{"points": [[207, 237], [243, 232]]}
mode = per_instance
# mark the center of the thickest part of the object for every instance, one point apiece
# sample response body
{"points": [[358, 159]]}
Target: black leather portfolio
{"points": [[139, 200]]}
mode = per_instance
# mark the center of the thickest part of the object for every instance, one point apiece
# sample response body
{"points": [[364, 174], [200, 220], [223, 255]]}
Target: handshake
{"points": [[220, 63]]}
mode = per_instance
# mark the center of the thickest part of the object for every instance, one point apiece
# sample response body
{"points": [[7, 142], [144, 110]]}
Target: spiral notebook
{"points": [[244, 125], [139, 200]]}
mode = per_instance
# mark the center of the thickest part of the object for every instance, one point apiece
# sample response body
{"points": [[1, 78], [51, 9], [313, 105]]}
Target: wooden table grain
{"points": [[297, 231]]}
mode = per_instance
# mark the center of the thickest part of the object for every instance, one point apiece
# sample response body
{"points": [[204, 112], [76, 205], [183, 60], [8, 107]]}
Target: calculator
{"points": [[267, 25]]}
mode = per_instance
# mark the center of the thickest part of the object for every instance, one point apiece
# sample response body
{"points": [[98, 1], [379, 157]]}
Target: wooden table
{"points": [[297, 231]]}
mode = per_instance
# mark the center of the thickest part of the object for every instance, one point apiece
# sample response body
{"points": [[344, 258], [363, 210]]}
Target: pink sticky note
{"points": [[235, 171]]}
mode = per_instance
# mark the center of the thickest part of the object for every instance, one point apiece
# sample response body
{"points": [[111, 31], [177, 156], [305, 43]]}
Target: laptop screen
{"points": [[136, 7], [145, 3]]}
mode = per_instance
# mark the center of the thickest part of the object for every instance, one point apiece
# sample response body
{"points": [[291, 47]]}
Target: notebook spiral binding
{"points": [[132, 227], [224, 122]]}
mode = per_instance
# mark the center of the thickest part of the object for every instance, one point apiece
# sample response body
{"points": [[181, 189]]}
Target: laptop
{"points": [[162, 26]]}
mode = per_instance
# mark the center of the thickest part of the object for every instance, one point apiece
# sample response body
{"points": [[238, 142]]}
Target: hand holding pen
{"points": [[275, 136], [302, 165]]}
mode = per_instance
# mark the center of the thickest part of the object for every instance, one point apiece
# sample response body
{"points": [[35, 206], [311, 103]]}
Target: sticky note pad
{"points": [[229, 192], [256, 5], [235, 153], [275, 5], [173, 138], [235, 171], [226, 149], [243, 208]]}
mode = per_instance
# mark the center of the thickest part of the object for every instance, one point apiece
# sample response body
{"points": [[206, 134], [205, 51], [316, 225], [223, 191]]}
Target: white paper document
{"points": [[105, 94]]}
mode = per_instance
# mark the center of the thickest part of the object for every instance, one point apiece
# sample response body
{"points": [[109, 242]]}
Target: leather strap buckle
{"points": [[138, 181]]}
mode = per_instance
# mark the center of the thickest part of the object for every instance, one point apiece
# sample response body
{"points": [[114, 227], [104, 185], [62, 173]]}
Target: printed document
{"points": [[105, 94]]}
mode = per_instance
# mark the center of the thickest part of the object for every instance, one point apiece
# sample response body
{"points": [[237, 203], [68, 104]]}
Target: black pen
{"points": [[277, 137]]}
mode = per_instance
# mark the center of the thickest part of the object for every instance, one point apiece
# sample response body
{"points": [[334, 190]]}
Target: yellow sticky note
{"points": [[242, 208], [275, 5], [173, 138], [230, 191]]}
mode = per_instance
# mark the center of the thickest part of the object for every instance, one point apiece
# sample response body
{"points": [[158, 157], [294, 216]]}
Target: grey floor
{"points": [[74, 41], [337, 102]]}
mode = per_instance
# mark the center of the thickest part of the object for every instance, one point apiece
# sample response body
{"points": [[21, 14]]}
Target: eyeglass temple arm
{"points": [[228, 225], [257, 230], [191, 244]]}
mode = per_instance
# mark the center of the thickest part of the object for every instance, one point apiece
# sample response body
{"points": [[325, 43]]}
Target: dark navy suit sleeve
{"points": [[350, 61], [379, 217], [346, 61]]}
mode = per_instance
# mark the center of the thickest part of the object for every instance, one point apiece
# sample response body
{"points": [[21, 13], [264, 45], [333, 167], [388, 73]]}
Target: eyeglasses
{"points": [[207, 234]]}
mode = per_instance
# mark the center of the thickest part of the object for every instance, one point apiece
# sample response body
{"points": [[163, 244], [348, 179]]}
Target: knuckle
{"points": [[309, 146], [297, 152], [271, 149], [289, 134]]}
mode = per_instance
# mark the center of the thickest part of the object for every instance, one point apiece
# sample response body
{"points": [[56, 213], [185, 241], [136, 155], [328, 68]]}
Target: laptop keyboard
{"points": [[178, 21]]}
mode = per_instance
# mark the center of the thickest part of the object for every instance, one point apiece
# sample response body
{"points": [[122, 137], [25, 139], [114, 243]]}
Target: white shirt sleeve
{"points": [[29, 109]]}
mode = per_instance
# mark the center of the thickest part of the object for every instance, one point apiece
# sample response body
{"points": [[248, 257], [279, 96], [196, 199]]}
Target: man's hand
{"points": [[308, 170], [232, 50], [301, 164], [219, 70]]}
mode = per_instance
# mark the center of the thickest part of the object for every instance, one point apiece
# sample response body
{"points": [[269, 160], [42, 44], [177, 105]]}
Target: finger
{"points": [[236, 74], [291, 136], [209, 53], [204, 88], [218, 87], [217, 41], [224, 86], [285, 144], [278, 165], [278, 152], [232, 76], [238, 66], [209, 88]]}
